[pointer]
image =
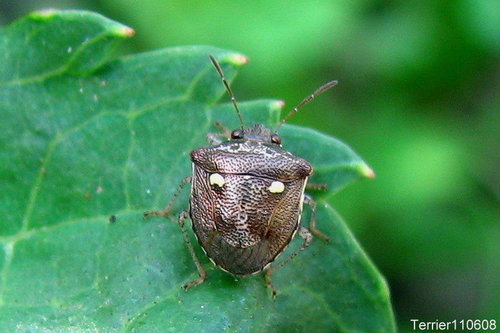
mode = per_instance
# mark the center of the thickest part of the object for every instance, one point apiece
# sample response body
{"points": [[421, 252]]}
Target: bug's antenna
{"points": [[306, 100], [228, 88]]}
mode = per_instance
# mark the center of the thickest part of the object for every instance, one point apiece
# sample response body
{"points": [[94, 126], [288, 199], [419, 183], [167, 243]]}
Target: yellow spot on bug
{"points": [[217, 179], [276, 187]]}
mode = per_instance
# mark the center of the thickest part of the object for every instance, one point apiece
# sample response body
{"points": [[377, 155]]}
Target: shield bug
{"points": [[247, 195]]}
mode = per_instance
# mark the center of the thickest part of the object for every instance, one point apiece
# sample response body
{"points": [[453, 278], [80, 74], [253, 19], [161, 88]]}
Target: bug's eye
{"points": [[237, 134], [275, 138]]}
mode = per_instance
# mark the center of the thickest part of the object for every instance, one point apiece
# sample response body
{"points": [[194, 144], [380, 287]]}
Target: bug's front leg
{"points": [[217, 138], [171, 203], [308, 200], [321, 187]]}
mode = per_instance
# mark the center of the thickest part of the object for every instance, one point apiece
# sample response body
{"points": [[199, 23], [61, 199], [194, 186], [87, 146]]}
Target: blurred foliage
{"points": [[418, 81]]}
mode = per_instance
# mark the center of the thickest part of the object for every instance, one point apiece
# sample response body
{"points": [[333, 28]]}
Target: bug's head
{"points": [[257, 132], [260, 132]]}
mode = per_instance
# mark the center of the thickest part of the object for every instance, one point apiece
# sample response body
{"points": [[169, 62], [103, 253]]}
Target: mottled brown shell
{"points": [[241, 224]]}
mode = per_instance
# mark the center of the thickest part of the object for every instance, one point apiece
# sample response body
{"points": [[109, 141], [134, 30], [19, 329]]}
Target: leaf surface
{"points": [[84, 138]]}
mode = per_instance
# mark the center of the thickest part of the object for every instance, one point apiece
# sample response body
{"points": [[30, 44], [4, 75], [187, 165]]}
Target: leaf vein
{"points": [[9, 254], [48, 155], [57, 71]]}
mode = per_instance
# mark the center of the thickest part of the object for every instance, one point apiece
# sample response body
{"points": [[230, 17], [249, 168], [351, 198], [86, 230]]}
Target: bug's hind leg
{"points": [[308, 200], [307, 236], [184, 215], [171, 203]]}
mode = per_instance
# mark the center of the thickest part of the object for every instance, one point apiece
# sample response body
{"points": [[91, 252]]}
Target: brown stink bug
{"points": [[247, 195]]}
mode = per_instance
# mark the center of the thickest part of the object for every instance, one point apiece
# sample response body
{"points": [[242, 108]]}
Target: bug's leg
{"points": [[217, 138], [308, 200], [171, 203], [269, 283], [183, 216], [321, 187], [224, 130], [306, 235]]}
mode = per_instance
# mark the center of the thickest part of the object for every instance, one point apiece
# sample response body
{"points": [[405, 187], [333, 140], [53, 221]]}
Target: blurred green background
{"points": [[418, 99]]}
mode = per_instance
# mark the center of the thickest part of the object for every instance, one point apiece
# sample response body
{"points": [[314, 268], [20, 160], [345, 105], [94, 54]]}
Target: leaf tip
{"points": [[367, 172], [43, 14], [278, 104], [238, 59], [124, 31]]}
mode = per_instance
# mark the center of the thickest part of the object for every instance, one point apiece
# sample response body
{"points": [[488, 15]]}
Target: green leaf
{"points": [[83, 138]]}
